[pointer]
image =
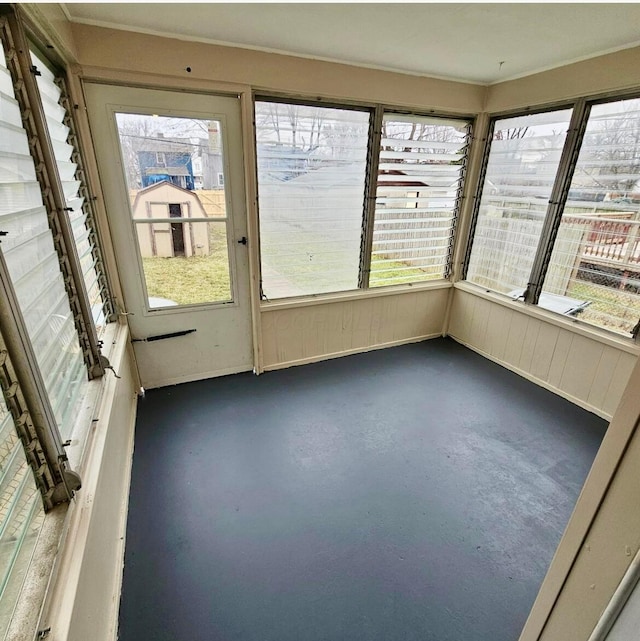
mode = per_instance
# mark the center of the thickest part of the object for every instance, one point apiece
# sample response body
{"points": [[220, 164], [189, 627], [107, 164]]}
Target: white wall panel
{"points": [[312, 331], [588, 370]]}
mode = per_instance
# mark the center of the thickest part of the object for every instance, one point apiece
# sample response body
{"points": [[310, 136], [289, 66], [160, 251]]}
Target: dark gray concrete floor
{"points": [[414, 493]]}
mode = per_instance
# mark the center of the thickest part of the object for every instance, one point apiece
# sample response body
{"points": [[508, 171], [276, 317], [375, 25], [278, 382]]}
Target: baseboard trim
{"points": [[538, 381], [349, 352]]}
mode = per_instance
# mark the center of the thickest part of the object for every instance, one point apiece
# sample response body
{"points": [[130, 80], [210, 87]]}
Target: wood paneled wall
{"points": [[587, 370], [317, 330]]}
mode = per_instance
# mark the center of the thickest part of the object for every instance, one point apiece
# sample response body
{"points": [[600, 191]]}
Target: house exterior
{"points": [[165, 159]]}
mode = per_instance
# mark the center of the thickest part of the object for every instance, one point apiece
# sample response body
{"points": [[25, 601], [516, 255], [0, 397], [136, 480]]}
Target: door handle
{"points": [[242, 241]]}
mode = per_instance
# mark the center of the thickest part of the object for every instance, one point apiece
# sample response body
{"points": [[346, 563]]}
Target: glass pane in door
{"points": [[174, 169]]}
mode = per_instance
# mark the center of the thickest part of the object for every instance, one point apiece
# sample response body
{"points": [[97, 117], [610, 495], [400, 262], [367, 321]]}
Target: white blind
{"points": [[33, 266], [311, 181], [21, 510], [59, 133], [522, 165], [419, 174], [596, 257]]}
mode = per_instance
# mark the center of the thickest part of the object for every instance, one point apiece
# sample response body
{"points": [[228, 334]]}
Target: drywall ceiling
{"points": [[483, 43]]}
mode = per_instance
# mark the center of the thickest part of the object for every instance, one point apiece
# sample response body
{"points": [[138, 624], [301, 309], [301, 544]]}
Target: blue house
{"points": [[166, 159]]}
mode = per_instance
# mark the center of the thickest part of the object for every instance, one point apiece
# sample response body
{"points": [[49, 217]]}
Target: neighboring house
{"points": [[166, 159], [166, 239]]}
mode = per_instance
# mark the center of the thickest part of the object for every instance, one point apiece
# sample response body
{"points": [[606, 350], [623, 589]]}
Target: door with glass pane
{"points": [[172, 175]]}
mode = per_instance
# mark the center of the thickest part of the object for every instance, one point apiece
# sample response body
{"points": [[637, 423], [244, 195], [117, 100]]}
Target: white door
{"points": [[171, 170]]}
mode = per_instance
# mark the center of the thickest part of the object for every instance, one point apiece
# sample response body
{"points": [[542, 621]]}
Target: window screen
{"points": [[595, 262], [419, 175], [520, 173], [311, 183]]}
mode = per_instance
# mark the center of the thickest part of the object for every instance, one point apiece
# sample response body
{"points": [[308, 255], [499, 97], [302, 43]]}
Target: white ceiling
{"points": [[481, 43]]}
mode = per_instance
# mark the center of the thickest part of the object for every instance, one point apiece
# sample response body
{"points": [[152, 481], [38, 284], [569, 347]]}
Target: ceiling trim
{"points": [[566, 63], [223, 43], [282, 52]]}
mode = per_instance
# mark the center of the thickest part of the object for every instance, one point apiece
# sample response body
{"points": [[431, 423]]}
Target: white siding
{"points": [[307, 333], [590, 372]]}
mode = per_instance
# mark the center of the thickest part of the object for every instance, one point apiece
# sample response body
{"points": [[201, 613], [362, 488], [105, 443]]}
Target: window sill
{"points": [[352, 295], [86, 417], [571, 324]]}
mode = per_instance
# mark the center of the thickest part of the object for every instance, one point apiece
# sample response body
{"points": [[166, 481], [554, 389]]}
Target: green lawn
{"points": [[610, 308], [192, 280], [187, 281]]}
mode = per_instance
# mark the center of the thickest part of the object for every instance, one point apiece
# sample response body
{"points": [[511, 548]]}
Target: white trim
{"points": [[357, 294], [106, 24], [84, 523], [214, 373], [349, 352]]}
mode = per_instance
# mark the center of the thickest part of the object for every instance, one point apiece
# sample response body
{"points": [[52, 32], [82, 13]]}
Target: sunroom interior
{"points": [[351, 208]]}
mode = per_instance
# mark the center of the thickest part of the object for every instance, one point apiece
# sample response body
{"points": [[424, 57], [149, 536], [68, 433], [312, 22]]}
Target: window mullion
{"points": [[557, 200], [27, 400], [34, 122], [478, 196], [371, 187]]}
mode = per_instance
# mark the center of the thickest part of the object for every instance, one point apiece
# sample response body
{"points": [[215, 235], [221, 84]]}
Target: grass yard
{"points": [[192, 280], [612, 309]]}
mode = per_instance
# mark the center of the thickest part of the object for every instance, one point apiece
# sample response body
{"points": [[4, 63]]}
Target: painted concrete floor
{"points": [[414, 493]]}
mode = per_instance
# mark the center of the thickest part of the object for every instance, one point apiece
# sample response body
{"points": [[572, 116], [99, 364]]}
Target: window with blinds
{"points": [[22, 215], [21, 517], [521, 169], [595, 262], [57, 119], [33, 265], [311, 185], [420, 173]]}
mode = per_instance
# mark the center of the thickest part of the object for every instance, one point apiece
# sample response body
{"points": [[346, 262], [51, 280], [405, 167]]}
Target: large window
{"points": [[520, 173], [52, 296], [353, 198], [311, 187], [419, 179], [596, 258], [559, 214]]}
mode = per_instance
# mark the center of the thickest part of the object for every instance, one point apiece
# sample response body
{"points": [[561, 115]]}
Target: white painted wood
{"points": [[582, 363], [580, 366], [602, 379], [545, 348], [84, 594], [294, 335], [628, 623], [359, 350], [222, 342]]}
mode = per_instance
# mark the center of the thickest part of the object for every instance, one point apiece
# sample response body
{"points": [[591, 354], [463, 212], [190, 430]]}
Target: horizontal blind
{"points": [[56, 115], [311, 182], [521, 169], [419, 176], [595, 262], [21, 509], [33, 265], [21, 516]]}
